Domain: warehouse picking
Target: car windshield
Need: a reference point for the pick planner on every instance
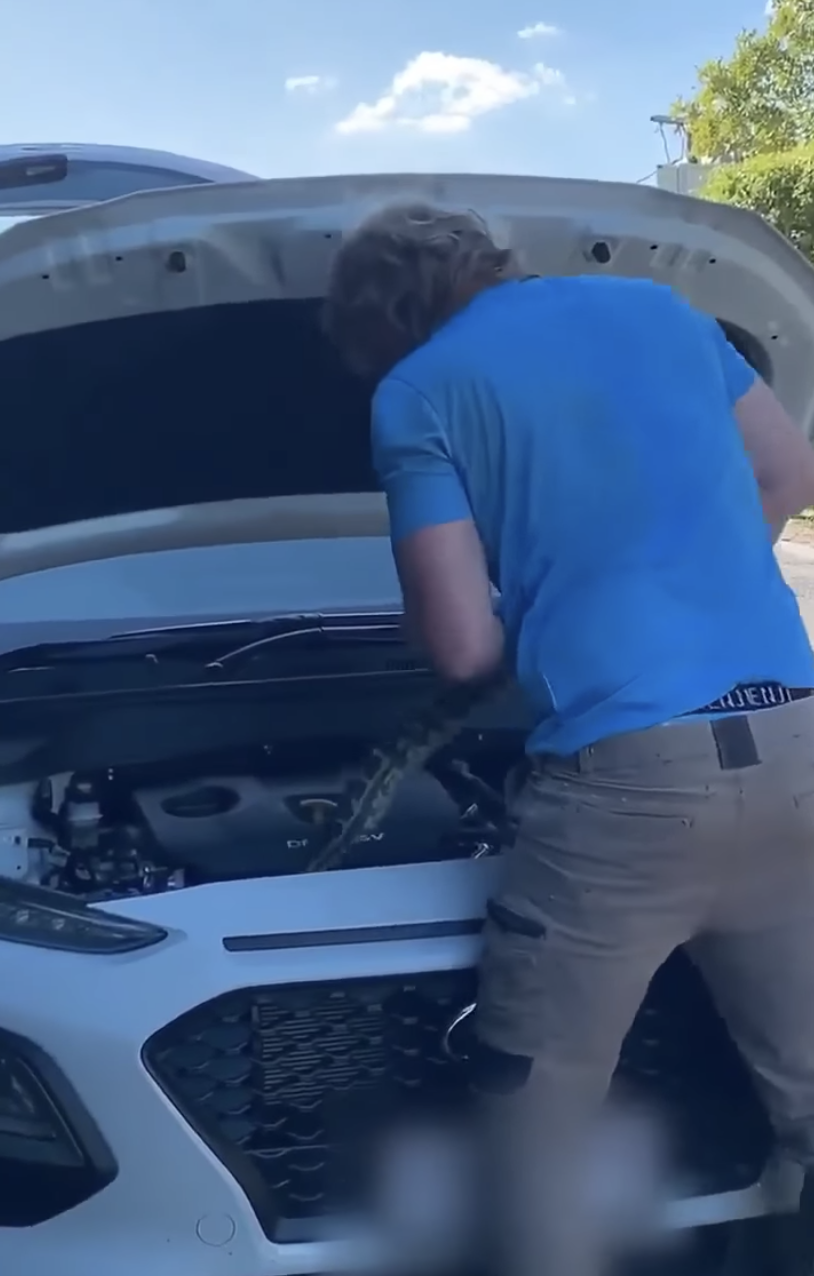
(87, 601)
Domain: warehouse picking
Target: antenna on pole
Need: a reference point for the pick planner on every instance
(678, 124)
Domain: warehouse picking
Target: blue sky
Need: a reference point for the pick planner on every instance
(289, 87)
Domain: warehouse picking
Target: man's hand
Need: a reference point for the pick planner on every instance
(448, 600)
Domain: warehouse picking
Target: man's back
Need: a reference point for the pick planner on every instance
(590, 422)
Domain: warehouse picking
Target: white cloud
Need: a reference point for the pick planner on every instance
(549, 76)
(309, 84)
(537, 30)
(443, 93)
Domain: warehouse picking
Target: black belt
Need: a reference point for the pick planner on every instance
(730, 724)
(748, 697)
(733, 735)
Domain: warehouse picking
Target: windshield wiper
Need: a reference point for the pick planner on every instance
(353, 634)
(216, 645)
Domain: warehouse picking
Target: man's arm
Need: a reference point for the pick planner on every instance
(439, 555)
(781, 456)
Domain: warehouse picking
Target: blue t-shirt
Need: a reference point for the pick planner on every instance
(587, 426)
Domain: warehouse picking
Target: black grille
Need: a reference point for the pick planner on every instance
(287, 1083)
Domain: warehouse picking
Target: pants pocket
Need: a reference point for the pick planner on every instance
(512, 982)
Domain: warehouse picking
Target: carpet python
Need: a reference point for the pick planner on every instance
(369, 793)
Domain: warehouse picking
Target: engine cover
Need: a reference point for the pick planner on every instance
(245, 826)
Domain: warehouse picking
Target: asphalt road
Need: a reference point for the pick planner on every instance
(797, 560)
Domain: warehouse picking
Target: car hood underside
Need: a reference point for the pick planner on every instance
(167, 384)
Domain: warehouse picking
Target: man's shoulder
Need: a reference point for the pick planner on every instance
(404, 406)
(420, 370)
(457, 354)
(652, 314)
(422, 379)
(403, 385)
(618, 290)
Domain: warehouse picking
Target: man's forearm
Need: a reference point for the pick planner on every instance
(781, 455)
(473, 657)
(459, 655)
(448, 600)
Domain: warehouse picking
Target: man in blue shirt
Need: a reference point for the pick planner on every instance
(596, 450)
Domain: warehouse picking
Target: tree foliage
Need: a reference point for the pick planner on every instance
(779, 187)
(761, 99)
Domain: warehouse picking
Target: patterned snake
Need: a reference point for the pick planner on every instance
(367, 796)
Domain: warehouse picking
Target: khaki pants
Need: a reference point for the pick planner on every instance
(693, 833)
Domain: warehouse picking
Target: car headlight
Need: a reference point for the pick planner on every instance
(49, 919)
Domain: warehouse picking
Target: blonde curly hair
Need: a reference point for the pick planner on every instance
(401, 274)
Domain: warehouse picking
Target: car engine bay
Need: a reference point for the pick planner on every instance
(120, 831)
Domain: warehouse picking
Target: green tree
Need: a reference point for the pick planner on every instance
(761, 99)
(780, 187)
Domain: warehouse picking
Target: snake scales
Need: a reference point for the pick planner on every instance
(367, 796)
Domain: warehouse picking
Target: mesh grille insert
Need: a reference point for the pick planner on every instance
(287, 1083)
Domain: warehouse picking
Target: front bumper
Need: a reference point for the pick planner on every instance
(176, 1204)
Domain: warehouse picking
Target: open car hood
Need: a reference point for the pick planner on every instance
(193, 258)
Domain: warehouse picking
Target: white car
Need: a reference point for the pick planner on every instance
(202, 1045)
(39, 178)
